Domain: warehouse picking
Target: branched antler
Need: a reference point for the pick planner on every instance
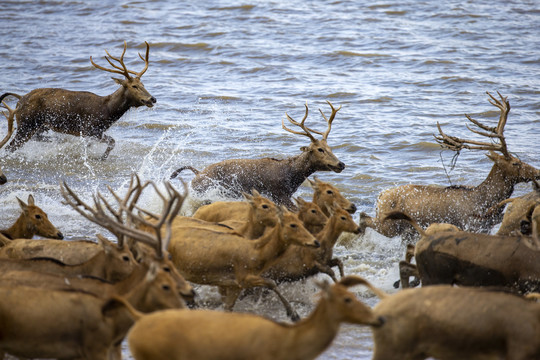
(308, 131)
(112, 219)
(10, 116)
(122, 70)
(497, 132)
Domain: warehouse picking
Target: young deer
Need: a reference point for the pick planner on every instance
(10, 114)
(32, 221)
(463, 206)
(81, 113)
(277, 179)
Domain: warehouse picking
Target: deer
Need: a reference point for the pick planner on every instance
(81, 113)
(276, 179)
(446, 255)
(111, 264)
(68, 324)
(300, 262)
(148, 245)
(32, 221)
(449, 322)
(251, 218)
(232, 262)
(464, 206)
(517, 217)
(206, 334)
(325, 194)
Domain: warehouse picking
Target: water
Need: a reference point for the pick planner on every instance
(225, 73)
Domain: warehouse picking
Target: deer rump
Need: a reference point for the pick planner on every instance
(469, 259)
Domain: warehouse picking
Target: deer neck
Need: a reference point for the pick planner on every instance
(270, 245)
(300, 168)
(117, 104)
(315, 333)
(328, 236)
(496, 187)
(19, 230)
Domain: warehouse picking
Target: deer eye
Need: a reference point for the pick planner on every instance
(347, 300)
(265, 206)
(38, 216)
(343, 218)
(329, 192)
(167, 269)
(125, 258)
(313, 211)
(166, 287)
(134, 86)
(293, 226)
(321, 150)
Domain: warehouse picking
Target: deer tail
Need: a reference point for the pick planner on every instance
(398, 215)
(178, 171)
(8, 94)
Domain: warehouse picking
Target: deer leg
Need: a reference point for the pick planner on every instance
(254, 280)
(326, 270)
(406, 270)
(106, 139)
(337, 262)
(23, 134)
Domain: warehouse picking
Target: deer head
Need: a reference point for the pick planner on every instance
(136, 93)
(321, 156)
(514, 169)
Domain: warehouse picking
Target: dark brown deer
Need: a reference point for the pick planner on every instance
(276, 179)
(463, 206)
(81, 113)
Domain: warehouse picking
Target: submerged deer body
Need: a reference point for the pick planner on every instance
(80, 113)
(463, 206)
(10, 116)
(277, 179)
(32, 221)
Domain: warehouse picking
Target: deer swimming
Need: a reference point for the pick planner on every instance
(81, 113)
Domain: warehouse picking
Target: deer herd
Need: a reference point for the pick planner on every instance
(78, 299)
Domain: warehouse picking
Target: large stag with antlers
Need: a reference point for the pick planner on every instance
(81, 113)
(463, 206)
(277, 179)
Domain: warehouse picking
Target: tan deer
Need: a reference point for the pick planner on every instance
(233, 263)
(81, 113)
(326, 195)
(148, 245)
(463, 206)
(208, 335)
(32, 221)
(277, 179)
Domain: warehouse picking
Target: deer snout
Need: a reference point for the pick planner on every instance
(151, 101)
(352, 209)
(316, 244)
(339, 167)
(59, 236)
(3, 179)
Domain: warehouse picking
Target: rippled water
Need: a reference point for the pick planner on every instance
(225, 73)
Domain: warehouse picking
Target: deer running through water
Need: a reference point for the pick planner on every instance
(463, 206)
(81, 113)
(276, 179)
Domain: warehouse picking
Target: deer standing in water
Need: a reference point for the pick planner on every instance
(276, 179)
(81, 113)
(463, 206)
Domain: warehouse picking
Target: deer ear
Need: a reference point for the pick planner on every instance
(121, 82)
(23, 205)
(31, 200)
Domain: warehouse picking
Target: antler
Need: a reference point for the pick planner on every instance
(300, 124)
(123, 69)
(328, 120)
(456, 144)
(105, 215)
(10, 115)
(307, 131)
